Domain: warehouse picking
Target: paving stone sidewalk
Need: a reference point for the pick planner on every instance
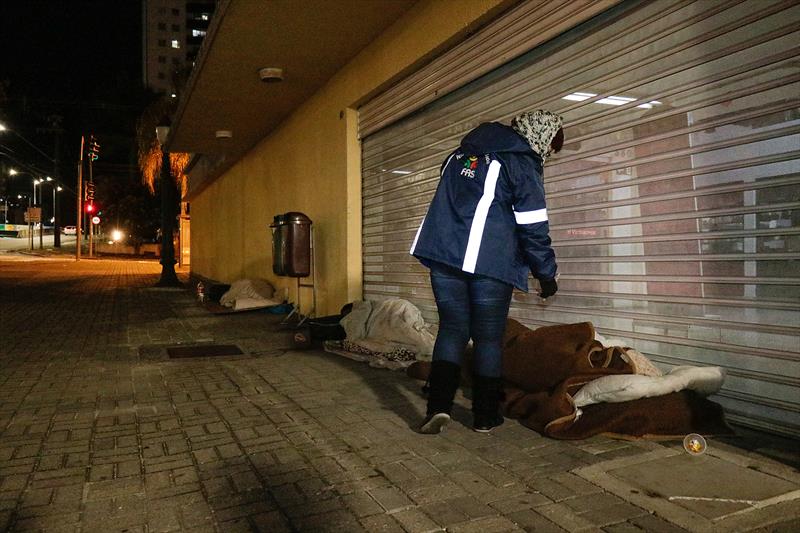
(101, 431)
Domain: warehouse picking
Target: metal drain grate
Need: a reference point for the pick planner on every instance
(204, 350)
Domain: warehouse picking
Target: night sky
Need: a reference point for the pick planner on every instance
(75, 59)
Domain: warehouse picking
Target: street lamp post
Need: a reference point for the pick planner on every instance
(35, 183)
(48, 180)
(40, 182)
(56, 188)
(31, 226)
(168, 276)
(56, 234)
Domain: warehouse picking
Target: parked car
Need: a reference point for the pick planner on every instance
(69, 230)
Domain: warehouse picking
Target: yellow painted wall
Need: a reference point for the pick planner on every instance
(312, 164)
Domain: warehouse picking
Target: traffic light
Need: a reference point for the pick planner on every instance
(94, 149)
(89, 207)
(89, 191)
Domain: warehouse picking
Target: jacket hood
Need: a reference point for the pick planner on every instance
(494, 137)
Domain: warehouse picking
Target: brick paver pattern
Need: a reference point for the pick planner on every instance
(100, 431)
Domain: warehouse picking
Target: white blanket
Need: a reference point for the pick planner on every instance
(626, 387)
(253, 293)
(388, 325)
(240, 304)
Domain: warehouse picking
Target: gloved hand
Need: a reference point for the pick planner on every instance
(548, 288)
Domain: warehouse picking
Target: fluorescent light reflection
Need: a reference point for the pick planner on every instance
(649, 105)
(616, 100)
(609, 100)
(579, 97)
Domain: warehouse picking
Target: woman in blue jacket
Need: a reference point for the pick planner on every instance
(485, 229)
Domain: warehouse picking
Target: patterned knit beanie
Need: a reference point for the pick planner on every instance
(538, 127)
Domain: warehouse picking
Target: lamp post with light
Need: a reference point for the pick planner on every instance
(56, 234)
(168, 276)
(40, 182)
(31, 202)
(56, 229)
(35, 183)
(56, 188)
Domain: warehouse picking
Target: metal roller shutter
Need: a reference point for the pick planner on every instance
(675, 205)
(515, 32)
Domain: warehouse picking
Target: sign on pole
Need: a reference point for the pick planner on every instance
(33, 214)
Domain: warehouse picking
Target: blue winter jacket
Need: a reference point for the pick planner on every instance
(488, 215)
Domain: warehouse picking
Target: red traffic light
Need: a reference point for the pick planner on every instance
(89, 207)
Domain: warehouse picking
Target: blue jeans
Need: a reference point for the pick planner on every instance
(470, 306)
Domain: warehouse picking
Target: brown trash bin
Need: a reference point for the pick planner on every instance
(291, 245)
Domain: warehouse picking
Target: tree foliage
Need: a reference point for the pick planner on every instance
(149, 149)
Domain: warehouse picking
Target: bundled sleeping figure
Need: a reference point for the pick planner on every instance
(567, 382)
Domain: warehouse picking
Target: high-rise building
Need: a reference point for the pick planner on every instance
(172, 33)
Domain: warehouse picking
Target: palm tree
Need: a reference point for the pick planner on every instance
(152, 160)
(149, 149)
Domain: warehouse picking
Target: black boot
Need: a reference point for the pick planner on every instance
(486, 395)
(442, 386)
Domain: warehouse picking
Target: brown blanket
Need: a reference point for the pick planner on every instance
(544, 368)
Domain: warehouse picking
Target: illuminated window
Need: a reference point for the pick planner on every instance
(175, 43)
(204, 16)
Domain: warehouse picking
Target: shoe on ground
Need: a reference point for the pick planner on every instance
(434, 423)
(484, 424)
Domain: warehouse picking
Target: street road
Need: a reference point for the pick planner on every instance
(11, 244)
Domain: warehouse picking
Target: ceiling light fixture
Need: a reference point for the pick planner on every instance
(270, 74)
(223, 134)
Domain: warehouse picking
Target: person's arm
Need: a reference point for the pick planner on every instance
(533, 228)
